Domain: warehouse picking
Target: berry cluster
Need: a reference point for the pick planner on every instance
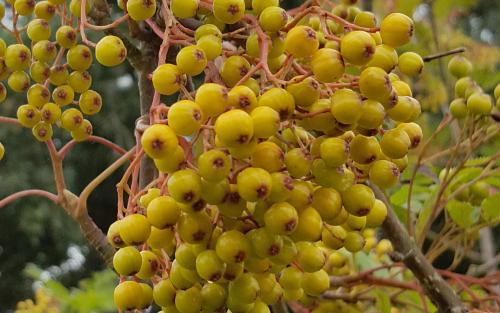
(52, 70)
(265, 167)
(470, 99)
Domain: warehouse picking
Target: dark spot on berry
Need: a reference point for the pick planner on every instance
(262, 191)
(71, 35)
(23, 56)
(274, 250)
(199, 235)
(233, 9)
(86, 54)
(188, 196)
(197, 115)
(198, 205)
(157, 144)
(369, 51)
(153, 264)
(310, 33)
(243, 139)
(147, 3)
(239, 257)
(232, 197)
(199, 55)
(117, 240)
(47, 114)
(243, 71)
(290, 225)
(122, 54)
(371, 159)
(362, 212)
(77, 120)
(395, 171)
(283, 114)
(218, 163)
(42, 132)
(88, 130)
(30, 114)
(244, 102)
(314, 84)
(61, 94)
(215, 277)
(288, 183)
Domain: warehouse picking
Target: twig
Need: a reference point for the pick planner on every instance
(433, 57)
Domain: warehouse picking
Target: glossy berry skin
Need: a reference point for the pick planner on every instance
(17, 57)
(211, 45)
(126, 295)
(234, 69)
(364, 150)
(234, 128)
(167, 79)
(232, 247)
(163, 212)
(280, 100)
(334, 151)
(358, 200)
(479, 104)
(327, 65)
(229, 11)
(140, 10)
(357, 47)
(135, 229)
(185, 186)
(346, 106)
(385, 57)
(328, 202)
(212, 99)
(384, 174)
(209, 266)
(185, 117)
(254, 184)
(272, 19)
(127, 261)
(214, 165)
(395, 143)
(411, 64)
(242, 97)
(301, 41)
(110, 51)
(305, 92)
(377, 214)
(164, 293)
(281, 218)
(194, 227)
(396, 29)
(184, 8)
(90, 102)
(158, 140)
(191, 60)
(374, 83)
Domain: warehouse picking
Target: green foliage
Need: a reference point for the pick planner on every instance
(94, 294)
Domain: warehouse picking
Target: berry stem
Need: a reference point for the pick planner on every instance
(96, 139)
(57, 169)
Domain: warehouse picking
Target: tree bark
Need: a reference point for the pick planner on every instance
(406, 251)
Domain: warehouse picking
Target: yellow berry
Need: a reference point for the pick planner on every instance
(396, 29)
(301, 41)
(166, 79)
(110, 51)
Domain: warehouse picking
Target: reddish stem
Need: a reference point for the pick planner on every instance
(27, 193)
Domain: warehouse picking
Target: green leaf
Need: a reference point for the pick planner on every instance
(58, 291)
(383, 301)
(462, 213)
(32, 271)
(490, 208)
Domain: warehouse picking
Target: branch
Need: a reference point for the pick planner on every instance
(406, 251)
(26, 193)
(84, 195)
(96, 139)
(433, 57)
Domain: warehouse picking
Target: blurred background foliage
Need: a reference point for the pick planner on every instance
(42, 247)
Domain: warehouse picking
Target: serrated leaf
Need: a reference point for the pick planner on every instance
(490, 208)
(462, 213)
(476, 161)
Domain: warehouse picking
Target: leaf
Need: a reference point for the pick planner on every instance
(32, 271)
(462, 213)
(413, 297)
(490, 208)
(383, 301)
(58, 291)
(467, 175)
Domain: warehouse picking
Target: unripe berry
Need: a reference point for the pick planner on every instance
(17, 57)
(42, 131)
(459, 66)
(185, 117)
(384, 174)
(384, 57)
(140, 10)
(126, 295)
(163, 212)
(458, 108)
(127, 261)
(377, 214)
(254, 184)
(358, 200)
(357, 47)
(28, 115)
(110, 51)
(305, 93)
(229, 11)
(158, 140)
(79, 58)
(19, 81)
(346, 106)
(479, 104)
(374, 83)
(135, 229)
(191, 60)
(184, 8)
(44, 10)
(301, 41)
(396, 29)
(411, 64)
(395, 143)
(260, 5)
(211, 45)
(234, 128)
(234, 69)
(272, 19)
(327, 65)
(66, 36)
(38, 29)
